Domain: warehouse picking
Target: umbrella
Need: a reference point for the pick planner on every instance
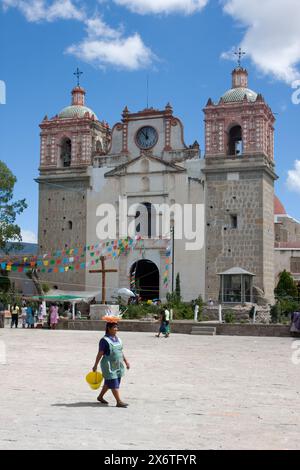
(124, 292)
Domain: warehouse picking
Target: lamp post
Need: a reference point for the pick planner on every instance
(173, 254)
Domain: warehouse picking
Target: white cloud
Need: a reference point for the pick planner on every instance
(42, 10)
(272, 36)
(125, 53)
(143, 7)
(104, 46)
(96, 28)
(293, 180)
(28, 236)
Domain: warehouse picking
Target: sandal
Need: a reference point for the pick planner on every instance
(101, 400)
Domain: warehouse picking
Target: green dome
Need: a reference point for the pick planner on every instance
(238, 94)
(75, 112)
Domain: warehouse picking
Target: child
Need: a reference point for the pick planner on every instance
(112, 358)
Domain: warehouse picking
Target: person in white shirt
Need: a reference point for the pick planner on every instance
(167, 321)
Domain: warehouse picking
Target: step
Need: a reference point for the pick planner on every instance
(204, 331)
(204, 328)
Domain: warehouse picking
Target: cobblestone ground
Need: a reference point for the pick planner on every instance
(185, 392)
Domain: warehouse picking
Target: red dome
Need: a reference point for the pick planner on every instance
(278, 207)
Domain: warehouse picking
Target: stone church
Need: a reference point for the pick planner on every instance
(85, 164)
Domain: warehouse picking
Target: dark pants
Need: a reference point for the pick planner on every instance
(14, 320)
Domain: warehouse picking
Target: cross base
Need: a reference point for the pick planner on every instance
(98, 311)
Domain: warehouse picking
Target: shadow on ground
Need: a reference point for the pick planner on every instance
(79, 405)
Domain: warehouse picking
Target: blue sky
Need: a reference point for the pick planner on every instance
(183, 45)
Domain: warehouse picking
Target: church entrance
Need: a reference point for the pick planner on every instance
(144, 277)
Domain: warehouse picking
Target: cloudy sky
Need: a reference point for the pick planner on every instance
(184, 46)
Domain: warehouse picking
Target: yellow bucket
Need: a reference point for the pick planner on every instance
(94, 379)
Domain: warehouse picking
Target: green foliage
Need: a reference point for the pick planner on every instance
(230, 317)
(174, 298)
(10, 298)
(140, 311)
(200, 303)
(45, 288)
(280, 312)
(183, 311)
(9, 231)
(178, 288)
(4, 282)
(286, 286)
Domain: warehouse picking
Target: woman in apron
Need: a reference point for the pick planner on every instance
(112, 363)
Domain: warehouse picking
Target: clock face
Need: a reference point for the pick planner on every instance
(146, 137)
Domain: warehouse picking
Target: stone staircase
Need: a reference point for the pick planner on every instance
(204, 330)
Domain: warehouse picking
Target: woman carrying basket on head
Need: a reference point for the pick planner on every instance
(112, 362)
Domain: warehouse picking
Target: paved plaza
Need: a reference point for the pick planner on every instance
(185, 392)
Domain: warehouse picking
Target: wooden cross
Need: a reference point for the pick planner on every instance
(103, 271)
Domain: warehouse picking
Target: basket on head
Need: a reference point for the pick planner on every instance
(94, 379)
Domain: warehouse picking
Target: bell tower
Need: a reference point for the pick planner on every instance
(240, 175)
(71, 141)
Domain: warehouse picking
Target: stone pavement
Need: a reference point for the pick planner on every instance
(185, 392)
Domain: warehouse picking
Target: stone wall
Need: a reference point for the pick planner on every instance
(181, 327)
(241, 187)
(240, 313)
(62, 201)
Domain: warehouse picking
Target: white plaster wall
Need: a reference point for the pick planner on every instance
(104, 190)
(177, 137)
(282, 260)
(175, 187)
(117, 140)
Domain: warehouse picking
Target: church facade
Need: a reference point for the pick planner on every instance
(144, 160)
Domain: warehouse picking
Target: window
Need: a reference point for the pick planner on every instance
(66, 153)
(70, 225)
(235, 142)
(145, 220)
(295, 265)
(233, 221)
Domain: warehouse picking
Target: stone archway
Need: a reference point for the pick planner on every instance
(145, 275)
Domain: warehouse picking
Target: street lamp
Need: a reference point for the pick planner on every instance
(173, 252)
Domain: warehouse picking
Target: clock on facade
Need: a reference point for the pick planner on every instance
(146, 137)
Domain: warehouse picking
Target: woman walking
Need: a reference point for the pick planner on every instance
(29, 317)
(163, 329)
(53, 316)
(112, 363)
(24, 315)
(15, 316)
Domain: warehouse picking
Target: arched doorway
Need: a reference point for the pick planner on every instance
(145, 277)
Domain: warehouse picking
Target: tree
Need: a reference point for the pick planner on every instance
(178, 288)
(286, 286)
(9, 209)
(4, 282)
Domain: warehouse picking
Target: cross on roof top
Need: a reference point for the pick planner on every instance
(78, 73)
(239, 53)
